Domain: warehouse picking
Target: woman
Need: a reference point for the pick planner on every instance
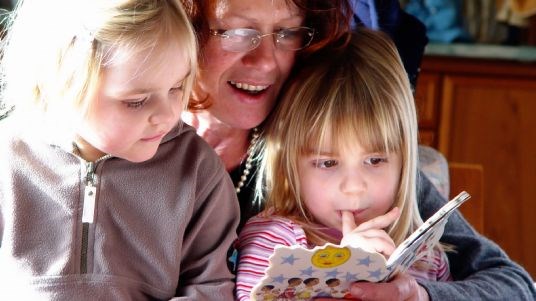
(248, 50)
(238, 88)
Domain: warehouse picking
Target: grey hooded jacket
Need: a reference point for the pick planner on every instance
(159, 229)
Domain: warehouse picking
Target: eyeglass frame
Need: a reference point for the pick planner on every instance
(222, 33)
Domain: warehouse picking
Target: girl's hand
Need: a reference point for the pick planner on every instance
(401, 288)
(370, 234)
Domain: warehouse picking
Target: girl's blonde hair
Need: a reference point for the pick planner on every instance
(359, 93)
(55, 50)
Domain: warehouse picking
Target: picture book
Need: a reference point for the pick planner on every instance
(298, 273)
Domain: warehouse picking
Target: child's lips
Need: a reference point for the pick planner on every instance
(153, 138)
(355, 212)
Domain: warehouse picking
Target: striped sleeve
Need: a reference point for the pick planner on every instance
(436, 269)
(256, 243)
(443, 269)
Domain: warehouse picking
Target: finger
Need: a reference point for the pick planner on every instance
(377, 235)
(380, 222)
(371, 240)
(403, 286)
(372, 234)
(348, 222)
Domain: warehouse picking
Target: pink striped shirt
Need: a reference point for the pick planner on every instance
(261, 234)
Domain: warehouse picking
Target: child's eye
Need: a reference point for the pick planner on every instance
(135, 104)
(375, 161)
(325, 163)
(176, 89)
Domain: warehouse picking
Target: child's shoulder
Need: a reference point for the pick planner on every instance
(266, 217)
(17, 125)
(183, 144)
(276, 227)
(10, 132)
(183, 133)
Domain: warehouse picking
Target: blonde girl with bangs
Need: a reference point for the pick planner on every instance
(339, 161)
(104, 192)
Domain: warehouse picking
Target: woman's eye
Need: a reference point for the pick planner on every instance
(135, 104)
(325, 163)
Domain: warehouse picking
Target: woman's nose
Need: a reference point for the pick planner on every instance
(264, 56)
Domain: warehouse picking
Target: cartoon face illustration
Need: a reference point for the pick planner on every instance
(330, 257)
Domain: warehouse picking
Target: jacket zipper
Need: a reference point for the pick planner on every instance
(88, 209)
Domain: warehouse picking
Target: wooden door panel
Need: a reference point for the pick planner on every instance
(492, 122)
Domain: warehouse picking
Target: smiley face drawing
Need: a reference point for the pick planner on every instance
(330, 256)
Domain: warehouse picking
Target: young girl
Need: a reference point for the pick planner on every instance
(339, 161)
(104, 193)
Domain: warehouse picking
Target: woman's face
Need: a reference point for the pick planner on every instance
(243, 86)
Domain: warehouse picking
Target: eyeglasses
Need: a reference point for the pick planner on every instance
(246, 39)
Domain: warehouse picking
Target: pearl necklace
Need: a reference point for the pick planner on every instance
(249, 159)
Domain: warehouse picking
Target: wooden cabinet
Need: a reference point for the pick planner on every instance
(427, 101)
(483, 111)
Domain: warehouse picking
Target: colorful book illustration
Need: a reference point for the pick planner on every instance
(297, 273)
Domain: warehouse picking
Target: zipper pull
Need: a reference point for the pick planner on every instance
(90, 192)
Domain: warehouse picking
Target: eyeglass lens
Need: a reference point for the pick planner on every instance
(246, 39)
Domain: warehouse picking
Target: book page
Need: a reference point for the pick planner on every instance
(424, 237)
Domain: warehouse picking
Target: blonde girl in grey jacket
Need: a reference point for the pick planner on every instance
(104, 193)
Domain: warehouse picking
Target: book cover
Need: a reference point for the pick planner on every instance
(298, 273)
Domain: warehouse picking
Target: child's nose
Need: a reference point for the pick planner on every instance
(352, 182)
(165, 112)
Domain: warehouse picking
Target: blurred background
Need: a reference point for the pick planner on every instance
(505, 22)
(476, 99)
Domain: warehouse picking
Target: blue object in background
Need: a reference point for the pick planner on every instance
(377, 14)
(365, 13)
(408, 33)
(442, 18)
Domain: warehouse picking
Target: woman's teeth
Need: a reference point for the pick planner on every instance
(247, 87)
